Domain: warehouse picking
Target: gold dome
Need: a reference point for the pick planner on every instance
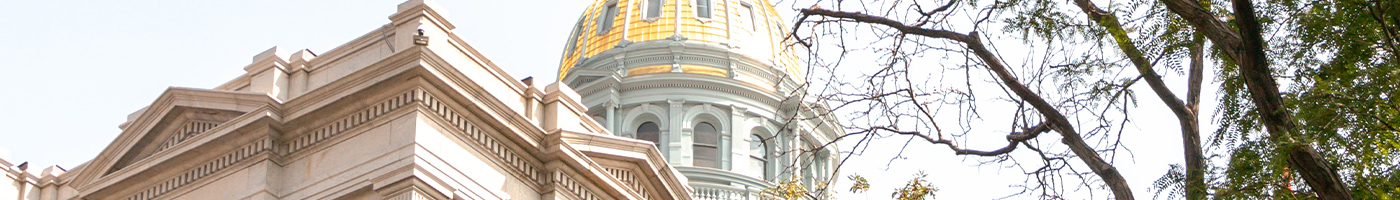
(729, 23)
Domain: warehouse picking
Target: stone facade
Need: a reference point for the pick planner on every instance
(407, 111)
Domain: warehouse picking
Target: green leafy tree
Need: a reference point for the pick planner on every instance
(1341, 56)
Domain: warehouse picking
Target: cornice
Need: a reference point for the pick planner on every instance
(474, 55)
(209, 169)
(718, 84)
(241, 80)
(469, 91)
(350, 48)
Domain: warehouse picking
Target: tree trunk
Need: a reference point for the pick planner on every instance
(1248, 52)
(1190, 128)
(1254, 68)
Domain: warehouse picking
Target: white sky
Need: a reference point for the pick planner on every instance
(71, 71)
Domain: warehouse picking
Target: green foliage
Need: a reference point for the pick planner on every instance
(860, 185)
(919, 188)
(1350, 112)
(790, 188)
(1173, 183)
(916, 189)
(1257, 170)
(1044, 19)
(1342, 58)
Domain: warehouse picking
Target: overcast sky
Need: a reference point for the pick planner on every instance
(71, 71)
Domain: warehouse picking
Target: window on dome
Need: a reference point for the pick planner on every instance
(706, 149)
(605, 21)
(758, 157)
(650, 132)
(574, 37)
(702, 8)
(653, 10)
(753, 20)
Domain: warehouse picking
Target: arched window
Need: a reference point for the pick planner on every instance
(706, 151)
(758, 157)
(650, 132)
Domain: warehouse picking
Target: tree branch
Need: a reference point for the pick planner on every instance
(1054, 119)
(1013, 140)
(1115, 28)
(1207, 24)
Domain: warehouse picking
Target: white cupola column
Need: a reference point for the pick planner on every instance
(611, 108)
(739, 140)
(679, 142)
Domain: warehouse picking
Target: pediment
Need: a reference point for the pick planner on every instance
(632, 176)
(175, 118)
(179, 125)
(636, 165)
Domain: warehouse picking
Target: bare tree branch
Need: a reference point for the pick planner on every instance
(1054, 118)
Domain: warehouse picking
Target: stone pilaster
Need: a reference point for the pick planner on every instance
(739, 140)
(678, 137)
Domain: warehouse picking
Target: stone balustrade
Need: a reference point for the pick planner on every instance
(724, 192)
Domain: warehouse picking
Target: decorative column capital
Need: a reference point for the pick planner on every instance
(675, 103)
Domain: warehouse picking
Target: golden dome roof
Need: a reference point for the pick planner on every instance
(749, 27)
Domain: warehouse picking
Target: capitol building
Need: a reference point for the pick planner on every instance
(656, 100)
